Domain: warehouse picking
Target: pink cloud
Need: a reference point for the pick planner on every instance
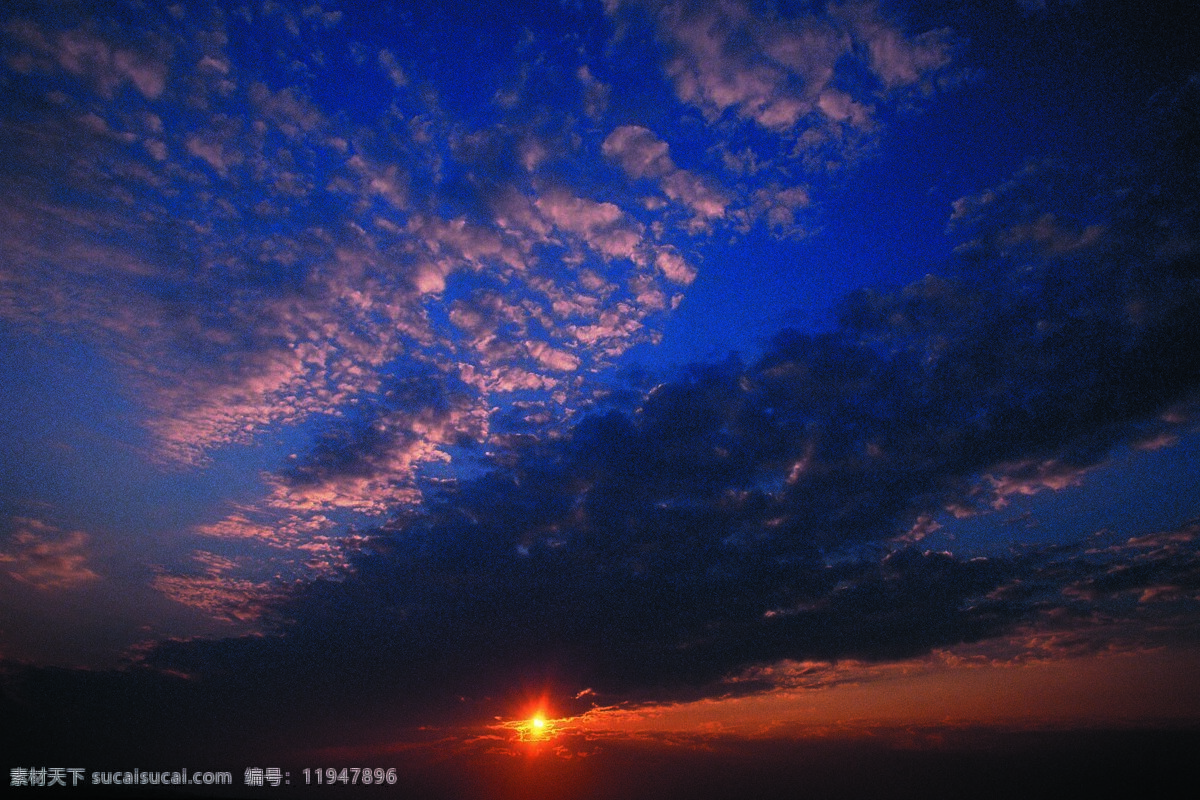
(596, 93)
(701, 196)
(775, 71)
(391, 67)
(552, 358)
(504, 379)
(47, 557)
(714, 73)
(578, 214)
(388, 182)
(1031, 477)
(643, 155)
(672, 265)
(601, 225)
(222, 597)
(840, 107)
(777, 205)
(1052, 237)
(639, 152)
(288, 110)
(897, 59)
(93, 59)
(215, 151)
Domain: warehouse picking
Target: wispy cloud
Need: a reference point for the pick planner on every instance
(46, 557)
(89, 57)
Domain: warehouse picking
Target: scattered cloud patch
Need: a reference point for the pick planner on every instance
(46, 557)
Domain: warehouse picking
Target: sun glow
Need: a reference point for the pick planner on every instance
(537, 728)
(534, 729)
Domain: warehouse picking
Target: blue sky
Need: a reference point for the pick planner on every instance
(717, 326)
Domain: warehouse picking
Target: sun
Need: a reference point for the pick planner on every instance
(534, 729)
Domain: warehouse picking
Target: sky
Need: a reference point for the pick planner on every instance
(378, 377)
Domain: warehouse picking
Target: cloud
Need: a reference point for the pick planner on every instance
(776, 70)
(85, 55)
(899, 60)
(639, 152)
(369, 464)
(704, 199)
(559, 360)
(789, 95)
(213, 151)
(735, 501)
(778, 206)
(643, 155)
(223, 598)
(602, 225)
(596, 93)
(387, 60)
(291, 113)
(323, 282)
(673, 266)
(1031, 477)
(46, 557)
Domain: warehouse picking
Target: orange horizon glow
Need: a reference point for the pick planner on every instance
(1114, 689)
(918, 701)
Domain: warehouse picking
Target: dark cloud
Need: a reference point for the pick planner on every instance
(382, 429)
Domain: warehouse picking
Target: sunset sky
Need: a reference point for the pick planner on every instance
(376, 377)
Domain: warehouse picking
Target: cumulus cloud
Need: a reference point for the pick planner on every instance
(897, 59)
(553, 358)
(368, 463)
(255, 264)
(596, 93)
(320, 303)
(223, 598)
(602, 225)
(790, 95)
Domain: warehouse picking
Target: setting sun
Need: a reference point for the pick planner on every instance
(535, 728)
